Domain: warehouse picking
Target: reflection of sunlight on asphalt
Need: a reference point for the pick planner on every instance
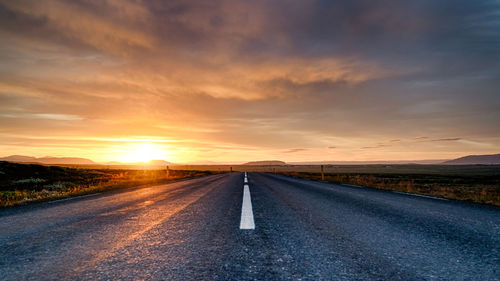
(143, 217)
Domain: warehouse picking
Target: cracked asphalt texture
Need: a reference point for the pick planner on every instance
(305, 230)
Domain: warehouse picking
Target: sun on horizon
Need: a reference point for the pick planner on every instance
(136, 80)
(140, 152)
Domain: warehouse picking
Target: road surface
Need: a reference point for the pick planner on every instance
(302, 230)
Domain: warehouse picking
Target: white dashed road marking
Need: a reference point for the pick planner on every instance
(247, 221)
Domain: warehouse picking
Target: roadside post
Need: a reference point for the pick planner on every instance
(322, 173)
(168, 172)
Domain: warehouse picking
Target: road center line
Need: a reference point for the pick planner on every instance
(247, 221)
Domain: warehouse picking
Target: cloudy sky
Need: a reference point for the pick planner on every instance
(224, 80)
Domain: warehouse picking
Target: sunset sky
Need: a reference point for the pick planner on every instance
(188, 81)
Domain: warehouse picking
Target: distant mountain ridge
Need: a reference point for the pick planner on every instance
(47, 160)
(475, 159)
(375, 162)
(149, 163)
(265, 163)
(159, 163)
(466, 160)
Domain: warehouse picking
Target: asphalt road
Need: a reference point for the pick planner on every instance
(304, 230)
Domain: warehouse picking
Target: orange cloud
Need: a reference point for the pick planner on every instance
(233, 80)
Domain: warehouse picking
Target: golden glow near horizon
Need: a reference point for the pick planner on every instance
(139, 152)
(234, 81)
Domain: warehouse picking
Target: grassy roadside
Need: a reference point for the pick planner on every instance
(28, 183)
(478, 188)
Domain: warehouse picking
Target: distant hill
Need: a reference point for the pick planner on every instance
(203, 162)
(159, 163)
(48, 160)
(265, 163)
(374, 162)
(113, 163)
(475, 159)
(149, 163)
(18, 158)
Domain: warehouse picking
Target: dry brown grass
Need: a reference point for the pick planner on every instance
(40, 183)
(475, 188)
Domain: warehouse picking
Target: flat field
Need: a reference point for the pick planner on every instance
(23, 183)
(475, 183)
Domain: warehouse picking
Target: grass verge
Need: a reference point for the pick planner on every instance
(28, 183)
(475, 188)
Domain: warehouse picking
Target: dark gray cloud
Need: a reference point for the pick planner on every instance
(375, 146)
(295, 150)
(447, 139)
